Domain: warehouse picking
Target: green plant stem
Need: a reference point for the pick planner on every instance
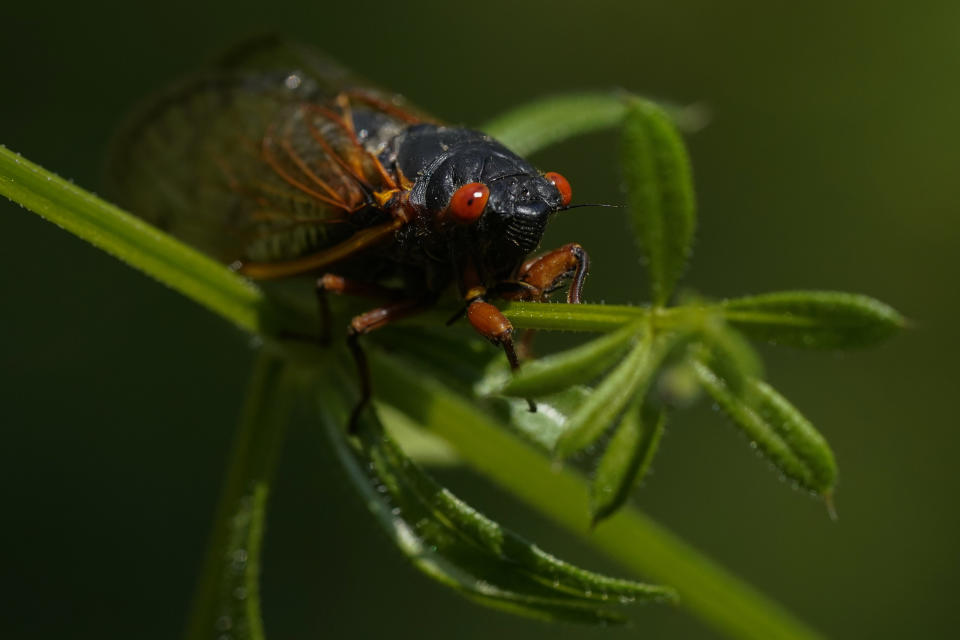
(630, 537)
(601, 317)
(227, 600)
(572, 317)
(133, 241)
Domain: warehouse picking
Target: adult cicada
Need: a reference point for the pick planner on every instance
(279, 163)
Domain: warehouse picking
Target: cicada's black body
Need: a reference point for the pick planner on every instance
(442, 160)
(280, 163)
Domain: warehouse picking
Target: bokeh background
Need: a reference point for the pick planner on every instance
(831, 161)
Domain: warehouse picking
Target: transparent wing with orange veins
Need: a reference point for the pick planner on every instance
(257, 159)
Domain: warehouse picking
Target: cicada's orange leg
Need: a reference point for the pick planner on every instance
(490, 323)
(398, 307)
(332, 283)
(365, 323)
(545, 274)
(538, 277)
(487, 320)
(525, 346)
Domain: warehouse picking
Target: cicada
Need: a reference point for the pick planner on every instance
(280, 163)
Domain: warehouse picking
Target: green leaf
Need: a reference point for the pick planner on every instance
(678, 386)
(134, 241)
(452, 542)
(631, 378)
(544, 122)
(228, 591)
(541, 123)
(626, 459)
(422, 447)
(545, 425)
(814, 319)
(554, 373)
(776, 429)
(660, 194)
(459, 357)
(554, 574)
(477, 370)
(726, 351)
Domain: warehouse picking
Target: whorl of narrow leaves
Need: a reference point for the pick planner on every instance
(814, 319)
(660, 194)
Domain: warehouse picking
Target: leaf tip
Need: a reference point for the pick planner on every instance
(598, 514)
(831, 505)
(666, 595)
(594, 520)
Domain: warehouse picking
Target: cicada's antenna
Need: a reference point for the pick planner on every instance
(591, 204)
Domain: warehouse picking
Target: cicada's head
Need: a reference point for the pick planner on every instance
(495, 204)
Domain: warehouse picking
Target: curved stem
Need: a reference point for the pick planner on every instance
(227, 600)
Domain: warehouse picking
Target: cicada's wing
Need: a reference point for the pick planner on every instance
(256, 158)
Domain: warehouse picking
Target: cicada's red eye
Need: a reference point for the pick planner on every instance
(468, 202)
(557, 180)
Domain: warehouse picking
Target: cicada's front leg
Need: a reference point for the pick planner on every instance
(490, 323)
(538, 277)
(486, 319)
(545, 274)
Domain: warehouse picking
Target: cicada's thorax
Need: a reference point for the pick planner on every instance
(434, 161)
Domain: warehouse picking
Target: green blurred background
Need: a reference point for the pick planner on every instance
(831, 162)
